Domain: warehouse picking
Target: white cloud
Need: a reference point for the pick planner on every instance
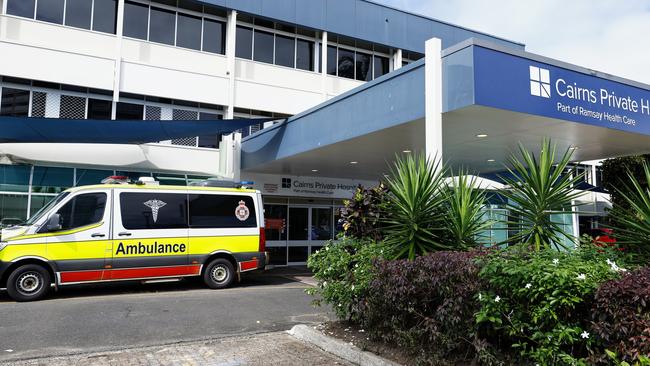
(608, 36)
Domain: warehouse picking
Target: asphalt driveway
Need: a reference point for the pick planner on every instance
(97, 318)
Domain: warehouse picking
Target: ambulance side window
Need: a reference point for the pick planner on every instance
(221, 211)
(141, 211)
(82, 210)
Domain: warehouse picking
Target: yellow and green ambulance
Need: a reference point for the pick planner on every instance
(142, 231)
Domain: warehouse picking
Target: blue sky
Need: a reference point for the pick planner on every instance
(608, 36)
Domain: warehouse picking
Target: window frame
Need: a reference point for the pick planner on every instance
(356, 50)
(73, 197)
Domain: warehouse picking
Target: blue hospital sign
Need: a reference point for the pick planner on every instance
(519, 84)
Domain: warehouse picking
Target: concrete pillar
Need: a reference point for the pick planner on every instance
(118, 52)
(323, 62)
(433, 98)
(231, 33)
(396, 60)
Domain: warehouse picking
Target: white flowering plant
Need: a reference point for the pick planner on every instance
(343, 270)
(538, 303)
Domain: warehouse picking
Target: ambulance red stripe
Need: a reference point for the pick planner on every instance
(128, 273)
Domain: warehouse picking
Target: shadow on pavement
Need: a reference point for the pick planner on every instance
(274, 277)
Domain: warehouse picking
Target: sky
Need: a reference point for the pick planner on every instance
(611, 36)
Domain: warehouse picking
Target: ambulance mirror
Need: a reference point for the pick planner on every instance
(54, 222)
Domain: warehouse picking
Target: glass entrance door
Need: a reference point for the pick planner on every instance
(295, 232)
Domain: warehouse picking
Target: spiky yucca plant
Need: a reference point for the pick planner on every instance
(632, 229)
(414, 222)
(539, 188)
(464, 212)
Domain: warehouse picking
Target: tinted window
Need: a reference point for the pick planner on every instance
(221, 211)
(99, 109)
(331, 60)
(305, 55)
(135, 20)
(285, 51)
(104, 16)
(162, 26)
(346, 63)
(21, 8)
(364, 66)
(50, 11)
(15, 102)
(153, 210)
(51, 180)
(244, 43)
(129, 111)
(214, 36)
(77, 13)
(263, 47)
(189, 32)
(82, 210)
(381, 66)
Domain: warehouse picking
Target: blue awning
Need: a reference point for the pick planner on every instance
(55, 130)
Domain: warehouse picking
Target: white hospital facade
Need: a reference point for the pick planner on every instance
(358, 82)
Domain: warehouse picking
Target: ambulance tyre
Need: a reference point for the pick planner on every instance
(219, 273)
(28, 283)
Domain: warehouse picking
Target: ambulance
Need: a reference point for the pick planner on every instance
(122, 231)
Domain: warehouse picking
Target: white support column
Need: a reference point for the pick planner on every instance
(323, 62)
(118, 52)
(231, 33)
(3, 5)
(396, 60)
(433, 99)
(236, 154)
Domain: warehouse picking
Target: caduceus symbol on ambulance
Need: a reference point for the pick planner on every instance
(155, 205)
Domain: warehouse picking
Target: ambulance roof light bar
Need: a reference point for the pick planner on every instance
(116, 179)
(216, 182)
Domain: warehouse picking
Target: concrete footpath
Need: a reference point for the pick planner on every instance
(277, 348)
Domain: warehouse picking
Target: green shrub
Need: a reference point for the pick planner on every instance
(538, 303)
(464, 211)
(362, 213)
(343, 271)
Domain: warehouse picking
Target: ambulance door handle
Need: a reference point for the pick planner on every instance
(97, 235)
(124, 233)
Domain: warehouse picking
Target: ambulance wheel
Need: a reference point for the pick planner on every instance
(28, 283)
(220, 273)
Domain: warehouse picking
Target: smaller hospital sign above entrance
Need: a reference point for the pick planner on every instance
(524, 85)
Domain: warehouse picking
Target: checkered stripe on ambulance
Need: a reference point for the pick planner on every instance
(131, 232)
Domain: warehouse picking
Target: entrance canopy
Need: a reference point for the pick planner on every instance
(54, 130)
(492, 99)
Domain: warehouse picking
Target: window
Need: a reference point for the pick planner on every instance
(14, 178)
(321, 224)
(381, 66)
(51, 180)
(15, 102)
(50, 11)
(298, 223)
(209, 141)
(78, 13)
(275, 222)
(244, 43)
(346, 63)
(189, 32)
(363, 66)
(129, 111)
(135, 20)
(104, 16)
(221, 211)
(21, 8)
(331, 60)
(285, 51)
(214, 36)
(263, 47)
(13, 207)
(99, 109)
(86, 177)
(162, 26)
(305, 55)
(153, 210)
(82, 210)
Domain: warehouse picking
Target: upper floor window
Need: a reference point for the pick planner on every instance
(98, 15)
(166, 25)
(276, 44)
